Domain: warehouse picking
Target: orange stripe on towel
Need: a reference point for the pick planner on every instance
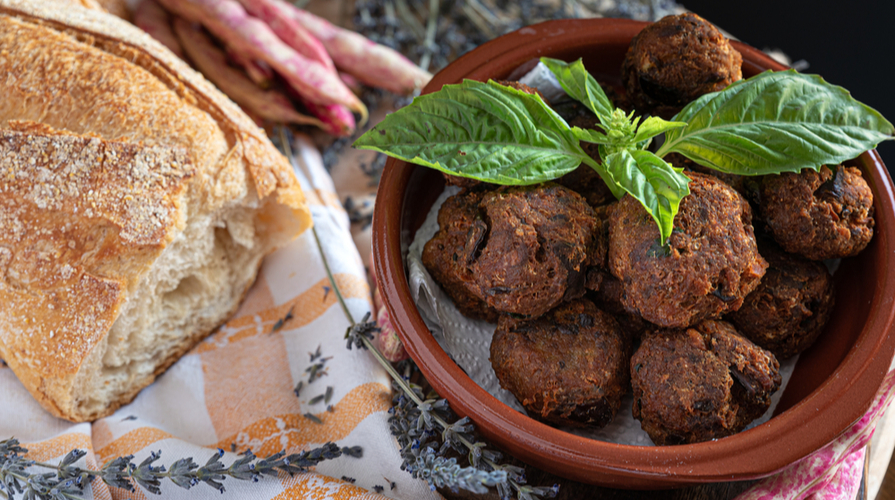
(43, 451)
(317, 486)
(295, 432)
(305, 308)
(130, 443)
(137, 494)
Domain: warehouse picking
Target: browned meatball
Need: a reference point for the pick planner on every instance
(747, 185)
(445, 256)
(701, 383)
(710, 264)
(821, 215)
(676, 60)
(587, 182)
(599, 255)
(605, 289)
(606, 292)
(790, 307)
(529, 251)
(568, 367)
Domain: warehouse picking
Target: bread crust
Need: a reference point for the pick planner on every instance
(156, 145)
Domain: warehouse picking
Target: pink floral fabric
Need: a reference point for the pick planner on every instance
(834, 471)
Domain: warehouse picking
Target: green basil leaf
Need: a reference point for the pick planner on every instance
(776, 122)
(658, 186)
(483, 131)
(580, 85)
(589, 135)
(654, 126)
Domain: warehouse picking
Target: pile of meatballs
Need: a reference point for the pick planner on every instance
(589, 304)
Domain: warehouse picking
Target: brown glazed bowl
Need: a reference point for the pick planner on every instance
(833, 383)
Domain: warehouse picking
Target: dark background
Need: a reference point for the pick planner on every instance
(850, 43)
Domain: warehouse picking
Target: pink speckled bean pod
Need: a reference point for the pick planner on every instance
(275, 14)
(818, 474)
(230, 22)
(374, 284)
(150, 17)
(387, 341)
(352, 82)
(337, 119)
(212, 62)
(369, 62)
(258, 72)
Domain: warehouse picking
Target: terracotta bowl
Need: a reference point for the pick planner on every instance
(833, 383)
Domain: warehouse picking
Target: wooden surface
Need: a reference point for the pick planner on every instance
(887, 490)
(882, 468)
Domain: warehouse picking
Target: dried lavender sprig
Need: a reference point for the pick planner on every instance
(463, 479)
(412, 425)
(363, 330)
(14, 477)
(512, 475)
(504, 477)
(68, 481)
(443, 472)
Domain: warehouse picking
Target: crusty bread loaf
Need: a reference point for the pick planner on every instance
(136, 204)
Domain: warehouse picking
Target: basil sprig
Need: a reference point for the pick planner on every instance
(580, 85)
(776, 122)
(770, 123)
(483, 131)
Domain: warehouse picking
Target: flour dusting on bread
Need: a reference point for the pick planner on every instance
(136, 205)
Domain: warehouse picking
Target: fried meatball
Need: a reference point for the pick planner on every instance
(445, 256)
(676, 60)
(747, 185)
(701, 383)
(790, 307)
(710, 264)
(821, 215)
(529, 250)
(569, 367)
(584, 180)
(587, 182)
(605, 290)
(598, 254)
